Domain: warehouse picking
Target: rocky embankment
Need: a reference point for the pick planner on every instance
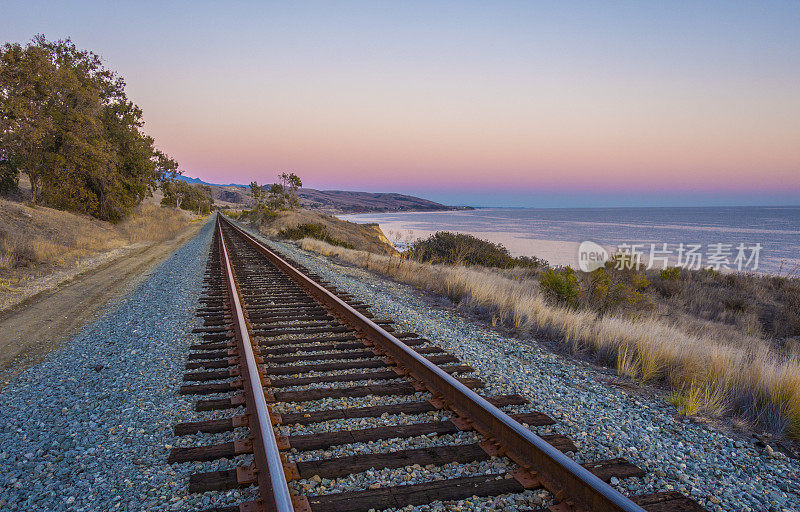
(365, 237)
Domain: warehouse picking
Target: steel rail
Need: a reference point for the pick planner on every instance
(571, 484)
(273, 489)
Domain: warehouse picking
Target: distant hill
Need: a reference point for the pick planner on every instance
(330, 201)
(189, 179)
(342, 201)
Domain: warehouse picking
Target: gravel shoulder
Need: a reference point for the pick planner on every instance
(89, 427)
(55, 308)
(720, 472)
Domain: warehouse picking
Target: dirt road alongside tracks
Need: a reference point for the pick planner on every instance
(39, 325)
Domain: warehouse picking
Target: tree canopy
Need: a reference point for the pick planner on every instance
(463, 249)
(194, 198)
(66, 123)
(281, 195)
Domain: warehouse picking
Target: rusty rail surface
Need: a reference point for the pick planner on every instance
(569, 482)
(275, 333)
(269, 466)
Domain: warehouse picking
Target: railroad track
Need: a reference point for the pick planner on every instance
(292, 364)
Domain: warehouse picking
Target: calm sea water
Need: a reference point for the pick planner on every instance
(554, 234)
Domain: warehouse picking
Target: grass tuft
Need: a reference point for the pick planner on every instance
(696, 398)
(627, 363)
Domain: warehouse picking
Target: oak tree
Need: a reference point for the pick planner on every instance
(67, 124)
(194, 198)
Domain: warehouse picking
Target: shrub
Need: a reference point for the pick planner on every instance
(530, 261)
(257, 215)
(601, 293)
(9, 177)
(638, 283)
(462, 249)
(671, 273)
(607, 289)
(735, 300)
(696, 398)
(562, 285)
(317, 231)
(670, 283)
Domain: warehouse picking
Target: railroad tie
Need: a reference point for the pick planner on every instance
(276, 337)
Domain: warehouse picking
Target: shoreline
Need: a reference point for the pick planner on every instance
(556, 234)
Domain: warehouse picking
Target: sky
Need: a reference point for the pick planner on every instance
(481, 103)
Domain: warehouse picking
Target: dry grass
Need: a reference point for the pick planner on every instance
(152, 223)
(40, 237)
(708, 371)
(367, 237)
(695, 399)
(751, 305)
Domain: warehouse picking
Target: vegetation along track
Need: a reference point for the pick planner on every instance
(295, 362)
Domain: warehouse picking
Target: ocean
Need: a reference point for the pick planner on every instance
(755, 239)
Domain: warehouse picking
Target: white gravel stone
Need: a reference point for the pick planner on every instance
(348, 402)
(362, 423)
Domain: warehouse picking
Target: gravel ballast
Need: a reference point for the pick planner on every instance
(90, 427)
(719, 471)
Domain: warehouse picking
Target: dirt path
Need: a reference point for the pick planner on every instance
(39, 325)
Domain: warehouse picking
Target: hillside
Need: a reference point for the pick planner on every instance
(365, 237)
(343, 201)
(330, 201)
(40, 246)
